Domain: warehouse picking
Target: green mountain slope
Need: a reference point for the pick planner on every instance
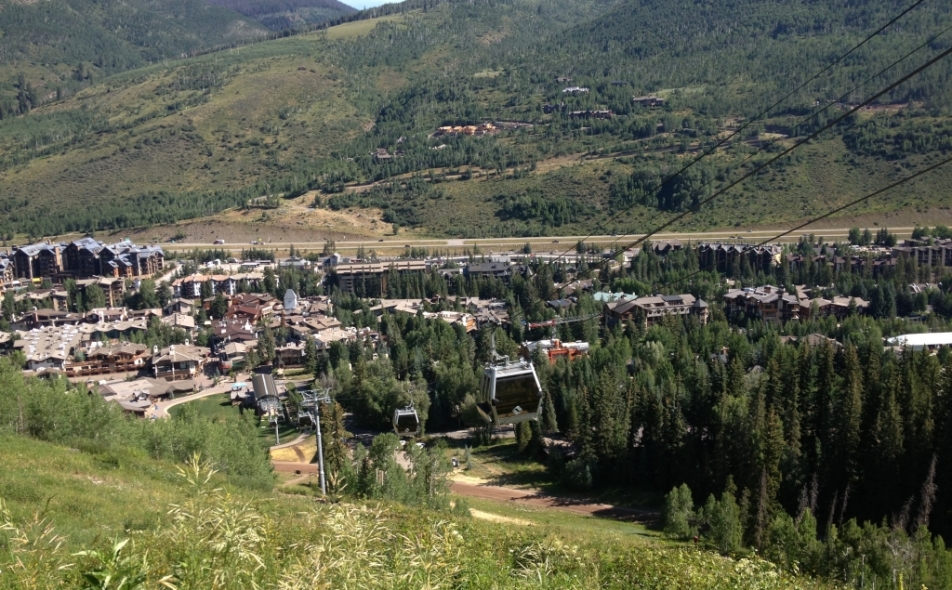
(59, 45)
(309, 112)
(286, 14)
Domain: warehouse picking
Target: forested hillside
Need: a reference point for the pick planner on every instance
(50, 49)
(287, 14)
(315, 112)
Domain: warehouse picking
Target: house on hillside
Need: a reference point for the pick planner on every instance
(648, 101)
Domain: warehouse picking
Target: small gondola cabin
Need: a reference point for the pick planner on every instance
(510, 393)
(406, 422)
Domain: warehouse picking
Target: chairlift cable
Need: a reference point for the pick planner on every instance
(782, 154)
(790, 149)
(787, 151)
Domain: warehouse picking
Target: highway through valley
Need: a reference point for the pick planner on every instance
(538, 244)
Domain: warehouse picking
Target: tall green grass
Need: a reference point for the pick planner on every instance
(211, 537)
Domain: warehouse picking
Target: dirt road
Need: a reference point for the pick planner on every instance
(540, 500)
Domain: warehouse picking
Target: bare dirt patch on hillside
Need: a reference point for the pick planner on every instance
(293, 221)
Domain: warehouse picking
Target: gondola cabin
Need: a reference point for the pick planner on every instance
(510, 393)
(406, 422)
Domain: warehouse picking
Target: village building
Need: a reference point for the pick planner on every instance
(370, 278)
(648, 101)
(232, 354)
(652, 310)
(937, 253)
(181, 322)
(55, 298)
(48, 347)
(497, 270)
(135, 397)
(592, 114)
(114, 289)
(35, 261)
(179, 305)
(99, 359)
(555, 349)
(7, 271)
(731, 257)
(290, 355)
(85, 258)
(924, 341)
(775, 305)
(324, 339)
(178, 362)
(481, 129)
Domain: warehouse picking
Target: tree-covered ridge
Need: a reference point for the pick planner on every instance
(740, 56)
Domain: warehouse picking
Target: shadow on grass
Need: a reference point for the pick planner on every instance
(514, 468)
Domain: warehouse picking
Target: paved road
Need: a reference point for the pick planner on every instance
(161, 409)
(563, 242)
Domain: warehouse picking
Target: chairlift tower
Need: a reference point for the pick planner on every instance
(312, 399)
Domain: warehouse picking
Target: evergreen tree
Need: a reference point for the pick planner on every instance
(95, 298)
(266, 345)
(678, 513)
(724, 519)
(337, 464)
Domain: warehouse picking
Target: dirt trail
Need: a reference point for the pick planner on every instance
(533, 498)
(538, 499)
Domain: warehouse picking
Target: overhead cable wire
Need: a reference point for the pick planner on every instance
(829, 213)
(828, 125)
(764, 112)
(784, 153)
(806, 118)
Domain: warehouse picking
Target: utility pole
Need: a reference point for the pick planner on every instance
(312, 399)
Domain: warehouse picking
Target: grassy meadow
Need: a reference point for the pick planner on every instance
(70, 518)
